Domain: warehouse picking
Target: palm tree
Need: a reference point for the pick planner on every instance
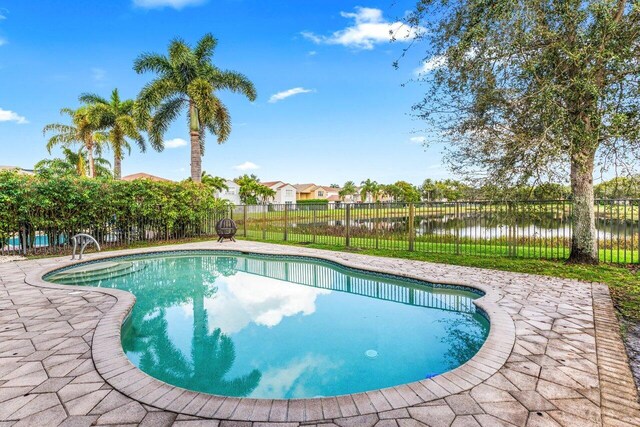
(117, 117)
(348, 189)
(369, 187)
(84, 130)
(188, 79)
(73, 163)
(215, 183)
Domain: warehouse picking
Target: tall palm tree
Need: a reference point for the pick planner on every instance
(83, 130)
(187, 78)
(116, 116)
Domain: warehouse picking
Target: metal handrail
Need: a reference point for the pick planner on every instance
(83, 239)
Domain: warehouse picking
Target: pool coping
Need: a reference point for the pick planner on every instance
(116, 369)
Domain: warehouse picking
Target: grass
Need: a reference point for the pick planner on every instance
(526, 248)
(624, 282)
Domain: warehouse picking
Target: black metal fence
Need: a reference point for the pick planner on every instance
(531, 229)
(45, 234)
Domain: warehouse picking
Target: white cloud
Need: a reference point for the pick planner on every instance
(3, 41)
(10, 116)
(98, 74)
(246, 298)
(287, 93)
(289, 379)
(175, 143)
(312, 53)
(246, 166)
(418, 139)
(369, 28)
(430, 64)
(158, 4)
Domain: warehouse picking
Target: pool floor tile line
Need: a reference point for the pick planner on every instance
(564, 366)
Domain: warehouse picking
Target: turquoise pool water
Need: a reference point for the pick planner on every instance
(283, 327)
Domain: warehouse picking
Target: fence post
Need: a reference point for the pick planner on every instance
(411, 227)
(244, 220)
(457, 228)
(377, 224)
(315, 222)
(347, 226)
(286, 221)
(511, 233)
(264, 222)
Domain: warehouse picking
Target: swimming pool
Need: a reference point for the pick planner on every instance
(262, 326)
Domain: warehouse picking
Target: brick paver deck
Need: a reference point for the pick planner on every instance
(554, 358)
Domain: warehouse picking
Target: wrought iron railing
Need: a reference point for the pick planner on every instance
(528, 229)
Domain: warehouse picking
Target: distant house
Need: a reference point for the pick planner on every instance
(285, 193)
(313, 191)
(232, 193)
(143, 175)
(17, 169)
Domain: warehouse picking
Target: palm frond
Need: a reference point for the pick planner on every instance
(154, 92)
(235, 82)
(220, 126)
(92, 98)
(129, 129)
(152, 62)
(200, 92)
(205, 48)
(166, 113)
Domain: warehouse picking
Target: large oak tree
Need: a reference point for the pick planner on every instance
(530, 90)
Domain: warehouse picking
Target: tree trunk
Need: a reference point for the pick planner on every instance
(584, 249)
(117, 142)
(117, 166)
(92, 164)
(196, 157)
(196, 152)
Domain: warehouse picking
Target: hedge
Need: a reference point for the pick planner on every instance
(133, 210)
(312, 202)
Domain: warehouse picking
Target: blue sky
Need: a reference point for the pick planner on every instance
(330, 105)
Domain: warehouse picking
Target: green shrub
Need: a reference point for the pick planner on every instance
(120, 210)
(312, 202)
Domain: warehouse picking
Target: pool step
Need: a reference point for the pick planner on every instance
(97, 272)
(95, 268)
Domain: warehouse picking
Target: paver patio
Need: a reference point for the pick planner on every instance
(565, 364)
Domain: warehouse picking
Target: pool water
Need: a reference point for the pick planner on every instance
(283, 327)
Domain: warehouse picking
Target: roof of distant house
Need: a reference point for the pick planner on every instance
(17, 169)
(143, 175)
(334, 198)
(301, 187)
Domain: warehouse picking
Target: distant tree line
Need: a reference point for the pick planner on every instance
(455, 190)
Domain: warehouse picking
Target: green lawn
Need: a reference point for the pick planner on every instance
(624, 282)
(531, 248)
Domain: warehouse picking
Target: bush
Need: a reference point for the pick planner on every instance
(312, 202)
(113, 211)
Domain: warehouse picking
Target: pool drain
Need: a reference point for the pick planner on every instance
(371, 354)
